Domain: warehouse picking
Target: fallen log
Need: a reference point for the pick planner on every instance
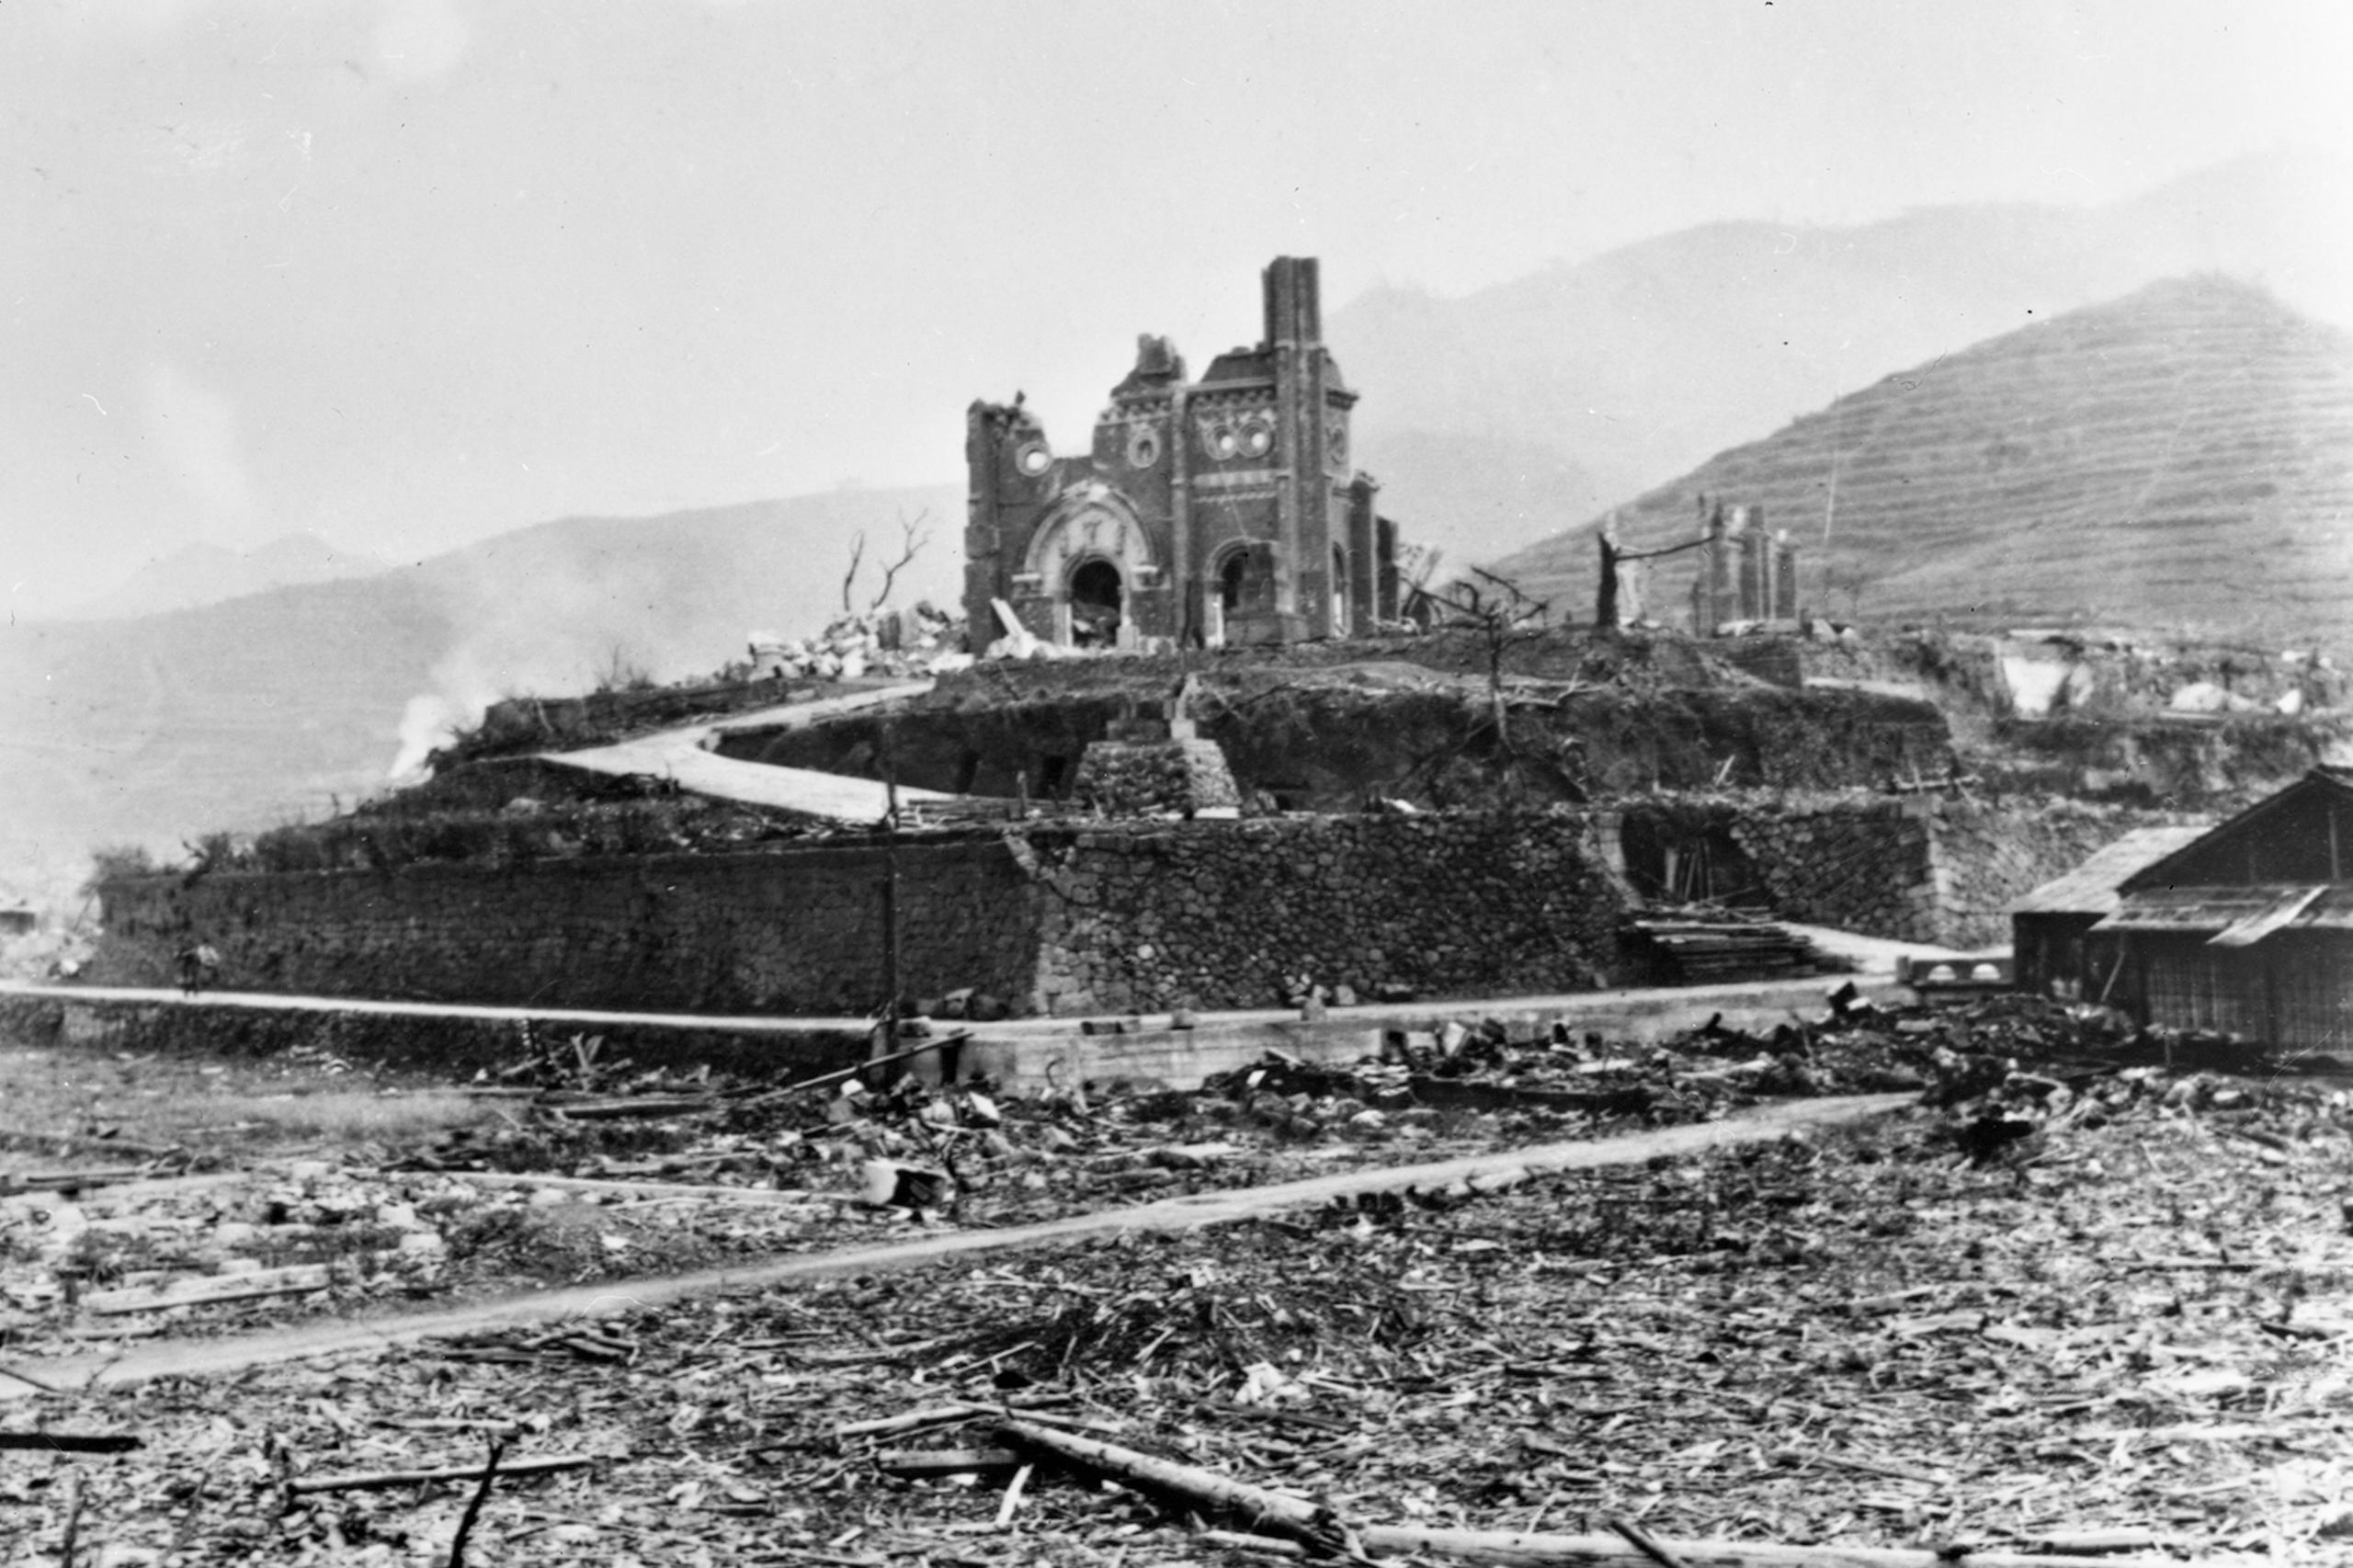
(842, 1075)
(207, 1288)
(1269, 1512)
(385, 1480)
(600, 1188)
(69, 1442)
(66, 1181)
(929, 1464)
(631, 1106)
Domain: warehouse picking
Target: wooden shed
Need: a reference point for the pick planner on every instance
(2247, 930)
(2051, 927)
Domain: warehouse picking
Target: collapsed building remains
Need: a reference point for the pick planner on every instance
(1218, 511)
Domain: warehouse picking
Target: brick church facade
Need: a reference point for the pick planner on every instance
(1205, 513)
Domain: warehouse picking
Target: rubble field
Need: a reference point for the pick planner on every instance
(2076, 1300)
(579, 1168)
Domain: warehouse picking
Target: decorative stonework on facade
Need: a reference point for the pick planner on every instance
(1205, 513)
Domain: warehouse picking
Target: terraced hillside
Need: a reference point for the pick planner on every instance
(2178, 460)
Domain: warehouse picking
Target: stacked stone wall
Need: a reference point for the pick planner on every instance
(789, 931)
(1134, 916)
(1860, 866)
(1988, 854)
(1940, 869)
(1176, 778)
(1231, 915)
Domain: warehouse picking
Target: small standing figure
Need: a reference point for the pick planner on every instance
(200, 967)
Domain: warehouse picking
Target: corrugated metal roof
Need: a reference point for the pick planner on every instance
(2090, 888)
(2187, 911)
(2281, 914)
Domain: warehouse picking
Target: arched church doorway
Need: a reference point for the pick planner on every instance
(1095, 604)
(1243, 587)
(1230, 581)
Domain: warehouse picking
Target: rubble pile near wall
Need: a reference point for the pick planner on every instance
(1157, 779)
(920, 639)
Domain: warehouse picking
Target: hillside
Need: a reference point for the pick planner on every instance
(1587, 383)
(2179, 459)
(254, 712)
(207, 574)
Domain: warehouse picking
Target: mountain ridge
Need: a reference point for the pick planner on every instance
(1643, 360)
(2178, 458)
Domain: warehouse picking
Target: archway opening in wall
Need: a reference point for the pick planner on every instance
(1231, 580)
(1339, 592)
(1095, 604)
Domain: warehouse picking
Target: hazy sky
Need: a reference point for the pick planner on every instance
(407, 272)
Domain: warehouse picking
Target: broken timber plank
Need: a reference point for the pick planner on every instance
(206, 1289)
(67, 1181)
(69, 1442)
(787, 1196)
(631, 1106)
(1210, 1494)
(916, 1464)
(382, 1480)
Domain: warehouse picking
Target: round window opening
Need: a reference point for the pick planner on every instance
(1223, 444)
(1035, 460)
(1144, 448)
(1258, 440)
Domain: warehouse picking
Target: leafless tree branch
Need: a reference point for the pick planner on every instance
(912, 536)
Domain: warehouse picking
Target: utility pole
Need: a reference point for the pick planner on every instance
(886, 1039)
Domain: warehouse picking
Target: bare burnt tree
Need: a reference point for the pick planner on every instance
(912, 536)
(1504, 618)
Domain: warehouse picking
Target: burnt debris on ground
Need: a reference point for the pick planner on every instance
(589, 1168)
(2122, 1323)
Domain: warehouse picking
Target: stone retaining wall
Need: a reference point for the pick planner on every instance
(1940, 869)
(794, 930)
(1064, 918)
(1228, 914)
(1060, 918)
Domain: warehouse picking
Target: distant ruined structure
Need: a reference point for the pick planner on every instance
(1746, 577)
(1206, 512)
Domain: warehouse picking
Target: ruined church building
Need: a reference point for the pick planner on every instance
(1207, 513)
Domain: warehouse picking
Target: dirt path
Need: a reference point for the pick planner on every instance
(214, 1356)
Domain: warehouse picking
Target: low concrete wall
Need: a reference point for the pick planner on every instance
(1033, 1056)
(438, 1042)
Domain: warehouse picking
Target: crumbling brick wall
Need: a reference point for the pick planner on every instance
(1226, 914)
